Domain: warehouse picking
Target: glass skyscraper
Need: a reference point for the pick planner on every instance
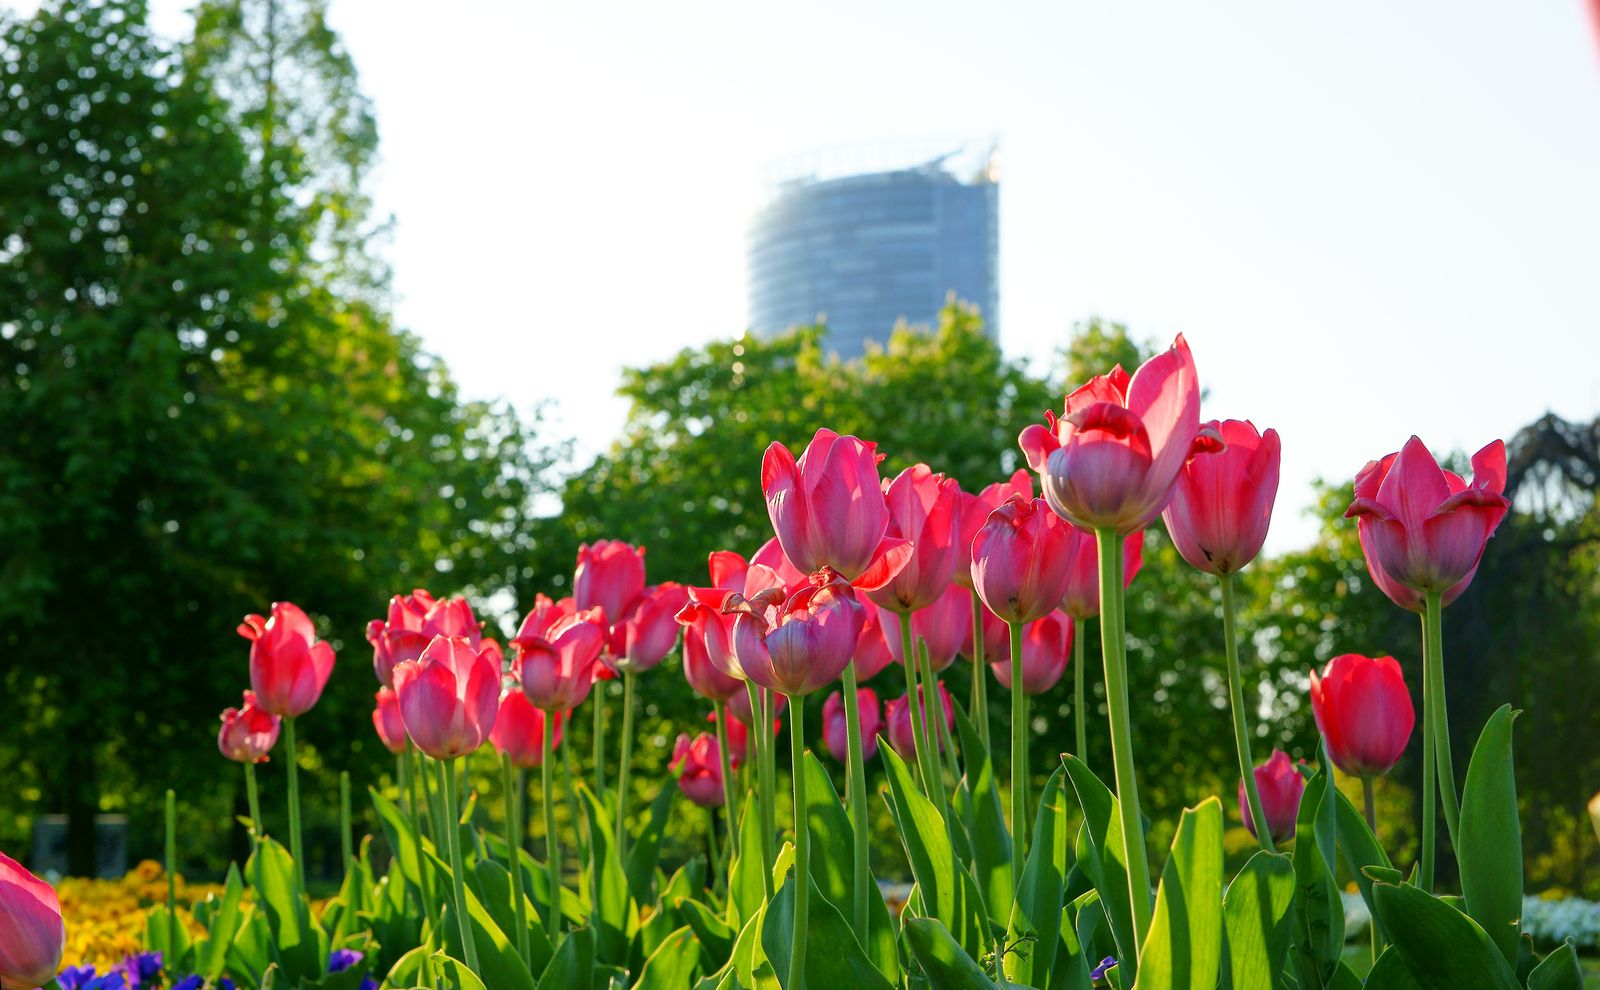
(863, 251)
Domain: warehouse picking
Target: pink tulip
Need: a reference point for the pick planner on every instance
(835, 734)
(1111, 460)
(558, 667)
(897, 714)
(519, 730)
(1018, 560)
(697, 764)
(1364, 712)
(876, 646)
(1219, 512)
(248, 733)
(705, 677)
(289, 666)
(647, 630)
(772, 557)
(996, 636)
(739, 731)
(827, 508)
(1082, 563)
(449, 697)
(32, 935)
(452, 617)
(739, 708)
(797, 644)
(945, 625)
(974, 512)
(391, 725)
(609, 576)
(924, 511)
(1279, 785)
(1423, 528)
(703, 617)
(1046, 648)
(400, 637)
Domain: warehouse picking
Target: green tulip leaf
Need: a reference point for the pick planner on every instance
(1557, 971)
(946, 965)
(211, 955)
(294, 941)
(615, 916)
(1035, 923)
(747, 892)
(671, 966)
(572, 965)
(982, 814)
(645, 850)
(1390, 972)
(1319, 909)
(716, 938)
(492, 884)
(1256, 914)
(1102, 857)
(1359, 847)
(1490, 849)
(498, 958)
(834, 957)
(1443, 948)
(1183, 949)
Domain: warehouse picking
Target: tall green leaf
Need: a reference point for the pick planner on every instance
(948, 890)
(1443, 948)
(1255, 912)
(1103, 858)
(1183, 949)
(294, 938)
(1557, 971)
(573, 962)
(1490, 839)
(1035, 923)
(945, 963)
(211, 954)
(615, 917)
(645, 850)
(1318, 908)
(978, 800)
(747, 890)
(672, 965)
(834, 957)
(1358, 847)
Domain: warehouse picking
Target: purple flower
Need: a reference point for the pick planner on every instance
(189, 983)
(342, 959)
(75, 977)
(136, 969)
(1099, 972)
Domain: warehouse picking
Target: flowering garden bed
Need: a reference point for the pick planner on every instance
(1047, 890)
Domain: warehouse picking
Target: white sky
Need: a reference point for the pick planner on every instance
(1370, 218)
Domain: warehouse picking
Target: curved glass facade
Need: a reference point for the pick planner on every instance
(865, 251)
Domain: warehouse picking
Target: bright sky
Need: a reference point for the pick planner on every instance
(1369, 218)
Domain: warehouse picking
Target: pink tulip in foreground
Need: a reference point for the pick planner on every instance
(609, 576)
(945, 625)
(827, 508)
(1423, 529)
(702, 616)
(519, 730)
(834, 733)
(697, 763)
(1363, 710)
(248, 732)
(1046, 648)
(1082, 562)
(1111, 459)
(1018, 560)
(705, 677)
(924, 511)
(973, 511)
(897, 715)
(797, 644)
(1220, 509)
(556, 666)
(1280, 786)
(449, 697)
(289, 666)
(31, 932)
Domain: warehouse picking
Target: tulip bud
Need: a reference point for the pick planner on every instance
(32, 935)
(248, 733)
(797, 644)
(973, 511)
(648, 629)
(399, 637)
(1279, 786)
(449, 697)
(1423, 529)
(835, 731)
(827, 508)
(945, 626)
(557, 672)
(609, 576)
(924, 511)
(1110, 460)
(389, 723)
(1046, 648)
(705, 677)
(902, 735)
(519, 730)
(1364, 713)
(1017, 560)
(697, 764)
(877, 646)
(289, 666)
(1222, 504)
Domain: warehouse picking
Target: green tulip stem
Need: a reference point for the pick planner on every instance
(1430, 795)
(1369, 810)
(802, 846)
(253, 797)
(1241, 719)
(721, 708)
(627, 758)
(933, 721)
(919, 728)
(346, 839)
(457, 876)
(769, 775)
(980, 674)
(552, 839)
(599, 707)
(756, 761)
(172, 874)
(1433, 643)
(508, 780)
(293, 761)
(1019, 759)
(1080, 721)
(569, 774)
(860, 814)
(1117, 709)
(402, 786)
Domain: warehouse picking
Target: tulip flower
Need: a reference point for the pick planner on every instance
(697, 764)
(449, 697)
(707, 680)
(924, 510)
(835, 732)
(738, 731)
(1112, 458)
(945, 626)
(32, 935)
(289, 666)
(400, 636)
(772, 557)
(973, 511)
(1280, 786)
(1046, 647)
(1109, 465)
(1017, 558)
(1363, 710)
(1082, 563)
(556, 667)
(827, 508)
(1220, 509)
(248, 733)
(897, 716)
(609, 576)
(796, 644)
(518, 731)
(739, 709)
(876, 645)
(1423, 532)
(648, 629)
